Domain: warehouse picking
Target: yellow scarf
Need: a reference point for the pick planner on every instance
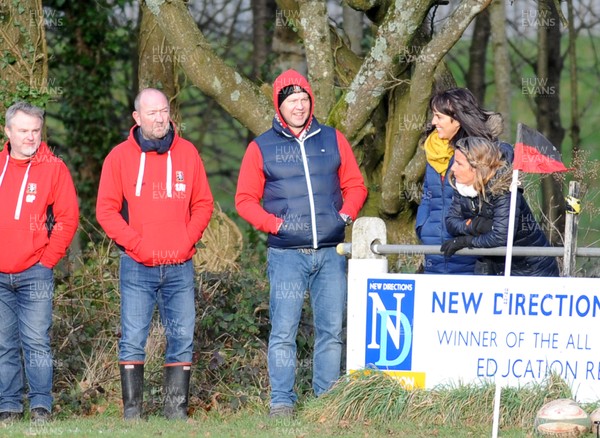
(438, 152)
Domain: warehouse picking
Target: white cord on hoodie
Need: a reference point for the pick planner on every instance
(138, 184)
(21, 193)
(4, 170)
(140, 178)
(169, 176)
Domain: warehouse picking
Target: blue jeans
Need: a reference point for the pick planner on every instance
(292, 273)
(142, 288)
(25, 320)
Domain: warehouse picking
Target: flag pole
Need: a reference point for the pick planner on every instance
(514, 186)
(535, 154)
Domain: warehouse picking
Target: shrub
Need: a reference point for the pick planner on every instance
(230, 343)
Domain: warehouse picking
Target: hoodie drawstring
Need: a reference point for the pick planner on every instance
(140, 178)
(169, 176)
(138, 184)
(4, 170)
(22, 192)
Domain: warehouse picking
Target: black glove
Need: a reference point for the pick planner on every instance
(449, 247)
(481, 225)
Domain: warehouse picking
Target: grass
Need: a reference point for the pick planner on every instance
(242, 424)
(378, 398)
(366, 404)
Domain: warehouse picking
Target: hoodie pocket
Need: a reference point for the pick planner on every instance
(165, 243)
(17, 249)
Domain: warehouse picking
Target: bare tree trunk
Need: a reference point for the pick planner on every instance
(24, 55)
(477, 56)
(502, 67)
(158, 61)
(241, 98)
(315, 23)
(575, 128)
(369, 85)
(549, 67)
(285, 40)
(353, 28)
(263, 15)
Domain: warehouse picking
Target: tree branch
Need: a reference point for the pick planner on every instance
(369, 85)
(240, 97)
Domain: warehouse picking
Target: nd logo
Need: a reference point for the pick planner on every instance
(390, 313)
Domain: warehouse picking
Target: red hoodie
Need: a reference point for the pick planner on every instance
(155, 206)
(27, 189)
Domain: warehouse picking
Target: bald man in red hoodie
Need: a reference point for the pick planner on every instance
(38, 220)
(154, 201)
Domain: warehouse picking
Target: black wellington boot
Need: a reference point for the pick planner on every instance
(176, 388)
(132, 387)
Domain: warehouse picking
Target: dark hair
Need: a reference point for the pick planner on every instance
(461, 105)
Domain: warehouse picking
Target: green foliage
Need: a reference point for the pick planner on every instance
(38, 96)
(232, 328)
(20, 57)
(90, 116)
(232, 336)
(232, 313)
(86, 328)
(7, 59)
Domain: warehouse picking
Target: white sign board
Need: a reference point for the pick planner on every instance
(441, 329)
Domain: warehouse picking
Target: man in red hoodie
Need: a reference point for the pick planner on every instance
(300, 183)
(154, 201)
(38, 219)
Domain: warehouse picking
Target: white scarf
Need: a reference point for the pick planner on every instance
(465, 190)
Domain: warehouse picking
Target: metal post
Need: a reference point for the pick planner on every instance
(571, 222)
(365, 231)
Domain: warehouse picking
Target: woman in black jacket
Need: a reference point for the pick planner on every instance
(455, 114)
(479, 215)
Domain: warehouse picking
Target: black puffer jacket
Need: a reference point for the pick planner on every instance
(496, 207)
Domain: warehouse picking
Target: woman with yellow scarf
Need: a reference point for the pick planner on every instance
(455, 115)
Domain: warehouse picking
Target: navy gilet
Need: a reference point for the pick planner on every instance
(302, 186)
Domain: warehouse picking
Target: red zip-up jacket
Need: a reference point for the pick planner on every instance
(154, 206)
(28, 188)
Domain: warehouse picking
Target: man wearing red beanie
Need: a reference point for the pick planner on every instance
(300, 183)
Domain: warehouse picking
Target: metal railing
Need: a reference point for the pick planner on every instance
(369, 236)
(518, 251)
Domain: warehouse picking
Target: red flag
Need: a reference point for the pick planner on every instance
(535, 154)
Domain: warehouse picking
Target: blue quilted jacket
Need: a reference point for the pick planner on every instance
(308, 202)
(431, 226)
